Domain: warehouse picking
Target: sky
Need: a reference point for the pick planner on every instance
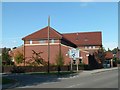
(59, 0)
(23, 18)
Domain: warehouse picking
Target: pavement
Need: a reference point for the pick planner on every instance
(99, 70)
(83, 73)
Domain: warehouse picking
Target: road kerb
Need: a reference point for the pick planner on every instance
(103, 70)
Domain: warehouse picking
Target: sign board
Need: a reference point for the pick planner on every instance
(74, 53)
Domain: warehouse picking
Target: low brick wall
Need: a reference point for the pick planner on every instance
(7, 69)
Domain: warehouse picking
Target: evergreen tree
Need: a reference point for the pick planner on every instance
(5, 56)
(59, 61)
(100, 55)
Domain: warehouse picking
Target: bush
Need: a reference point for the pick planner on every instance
(59, 61)
(85, 66)
(6, 58)
(19, 57)
(7, 80)
(81, 64)
(17, 70)
(118, 61)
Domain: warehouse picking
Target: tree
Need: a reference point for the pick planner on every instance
(0, 59)
(37, 59)
(6, 58)
(19, 57)
(100, 55)
(115, 50)
(59, 61)
(109, 50)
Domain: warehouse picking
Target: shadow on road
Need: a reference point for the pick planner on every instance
(29, 80)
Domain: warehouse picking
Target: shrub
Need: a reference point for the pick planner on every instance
(19, 57)
(59, 61)
(84, 66)
(17, 70)
(118, 61)
(6, 58)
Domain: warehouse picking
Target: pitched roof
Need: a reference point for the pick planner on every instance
(85, 38)
(109, 55)
(43, 34)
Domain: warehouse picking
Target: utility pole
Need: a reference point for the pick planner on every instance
(48, 43)
(24, 52)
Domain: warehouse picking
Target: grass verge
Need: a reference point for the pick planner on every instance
(7, 80)
(51, 73)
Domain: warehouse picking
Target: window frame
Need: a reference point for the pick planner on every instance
(42, 41)
(52, 41)
(30, 41)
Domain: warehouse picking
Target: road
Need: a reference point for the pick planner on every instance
(106, 79)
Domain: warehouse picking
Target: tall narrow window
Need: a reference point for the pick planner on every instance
(30, 41)
(93, 47)
(52, 41)
(42, 41)
(85, 47)
(89, 47)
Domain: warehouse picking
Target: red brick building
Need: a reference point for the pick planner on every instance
(87, 42)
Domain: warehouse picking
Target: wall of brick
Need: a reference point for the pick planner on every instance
(64, 50)
(84, 56)
(38, 41)
(54, 49)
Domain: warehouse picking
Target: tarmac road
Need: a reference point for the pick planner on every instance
(106, 79)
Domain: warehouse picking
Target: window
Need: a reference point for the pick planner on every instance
(89, 47)
(93, 47)
(85, 47)
(52, 41)
(30, 41)
(42, 41)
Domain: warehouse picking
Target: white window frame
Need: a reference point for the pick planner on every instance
(30, 41)
(42, 41)
(93, 47)
(90, 47)
(86, 47)
(52, 41)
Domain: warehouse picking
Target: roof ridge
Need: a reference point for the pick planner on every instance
(34, 32)
(53, 30)
(57, 32)
(83, 32)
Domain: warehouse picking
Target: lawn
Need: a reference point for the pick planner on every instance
(51, 73)
(7, 81)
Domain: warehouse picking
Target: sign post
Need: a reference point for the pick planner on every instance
(74, 54)
(77, 65)
(71, 64)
